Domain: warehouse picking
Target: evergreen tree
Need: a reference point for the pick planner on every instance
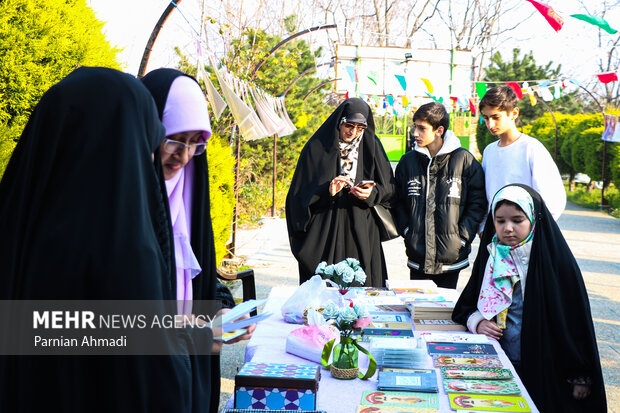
(40, 43)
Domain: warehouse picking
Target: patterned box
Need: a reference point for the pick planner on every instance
(277, 386)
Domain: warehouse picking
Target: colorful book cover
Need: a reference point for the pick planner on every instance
(429, 336)
(391, 318)
(403, 325)
(403, 370)
(488, 402)
(391, 409)
(430, 324)
(477, 373)
(386, 332)
(414, 290)
(453, 360)
(508, 387)
(460, 348)
(424, 381)
(371, 291)
(400, 399)
(387, 308)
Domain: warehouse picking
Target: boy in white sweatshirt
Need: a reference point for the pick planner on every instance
(517, 158)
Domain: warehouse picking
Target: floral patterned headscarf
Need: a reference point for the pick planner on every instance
(500, 273)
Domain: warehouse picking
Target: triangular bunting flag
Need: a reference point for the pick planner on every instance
(608, 77)
(481, 89)
(597, 21)
(402, 81)
(554, 19)
(428, 84)
(517, 89)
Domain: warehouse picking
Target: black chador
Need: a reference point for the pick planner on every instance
(83, 217)
(558, 343)
(326, 228)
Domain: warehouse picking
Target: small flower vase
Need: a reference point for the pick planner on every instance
(345, 359)
(344, 364)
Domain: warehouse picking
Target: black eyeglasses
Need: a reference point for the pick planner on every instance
(195, 149)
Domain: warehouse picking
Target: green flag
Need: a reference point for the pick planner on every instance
(597, 21)
(481, 89)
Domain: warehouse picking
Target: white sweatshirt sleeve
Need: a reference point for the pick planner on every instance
(546, 179)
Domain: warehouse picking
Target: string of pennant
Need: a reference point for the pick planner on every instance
(545, 89)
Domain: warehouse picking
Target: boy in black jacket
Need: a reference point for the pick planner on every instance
(441, 199)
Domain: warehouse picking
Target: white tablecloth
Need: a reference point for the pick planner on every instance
(343, 396)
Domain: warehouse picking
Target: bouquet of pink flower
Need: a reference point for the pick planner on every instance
(350, 319)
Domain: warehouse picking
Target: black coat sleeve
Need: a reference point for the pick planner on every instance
(476, 202)
(401, 210)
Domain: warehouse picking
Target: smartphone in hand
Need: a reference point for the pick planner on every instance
(366, 184)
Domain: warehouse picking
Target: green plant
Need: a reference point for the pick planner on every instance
(40, 43)
(592, 199)
(221, 192)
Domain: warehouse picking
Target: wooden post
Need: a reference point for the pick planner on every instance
(233, 244)
(273, 196)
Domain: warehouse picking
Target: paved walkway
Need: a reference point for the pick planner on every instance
(593, 237)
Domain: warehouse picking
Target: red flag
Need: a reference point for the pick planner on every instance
(472, 107)
(554, 19)
(608, 77)
(517, 89)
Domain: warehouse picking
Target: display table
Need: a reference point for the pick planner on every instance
(343, 396)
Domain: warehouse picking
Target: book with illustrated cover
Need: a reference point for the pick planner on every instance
(422, 381)
(400, 399)
(390, 409)
(403, 370)
(391, 318)
(368, 333)
(488, 402)
(508, 387)
(403, 325)
(429, 325)
(453, 360)
(376, 308)
(371, 291)
(453, 337)
(477, 373)
(435, 347)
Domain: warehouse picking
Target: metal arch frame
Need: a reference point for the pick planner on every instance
(149, 44)
(288, 39)
(305, 72)
(322, 84)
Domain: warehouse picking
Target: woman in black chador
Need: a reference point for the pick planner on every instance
(527, 292)
(82, 217)
(328, 211)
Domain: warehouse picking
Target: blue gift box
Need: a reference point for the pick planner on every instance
(277, 386)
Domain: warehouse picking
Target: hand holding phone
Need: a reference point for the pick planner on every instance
(366, 184)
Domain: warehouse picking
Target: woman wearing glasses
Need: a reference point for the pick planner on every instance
(342, 172)
(183, 111)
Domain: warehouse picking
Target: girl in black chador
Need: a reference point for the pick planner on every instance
(526, 290)
(328, 212)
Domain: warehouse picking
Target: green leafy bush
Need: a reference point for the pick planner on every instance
(222, 191)
(40, 43)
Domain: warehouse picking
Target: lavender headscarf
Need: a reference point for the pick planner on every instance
(185, 110)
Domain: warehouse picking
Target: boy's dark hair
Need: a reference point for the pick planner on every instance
(434, 114)
(501, 97)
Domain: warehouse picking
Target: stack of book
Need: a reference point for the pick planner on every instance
(430, 306)
(453, 354)
(402, 353)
